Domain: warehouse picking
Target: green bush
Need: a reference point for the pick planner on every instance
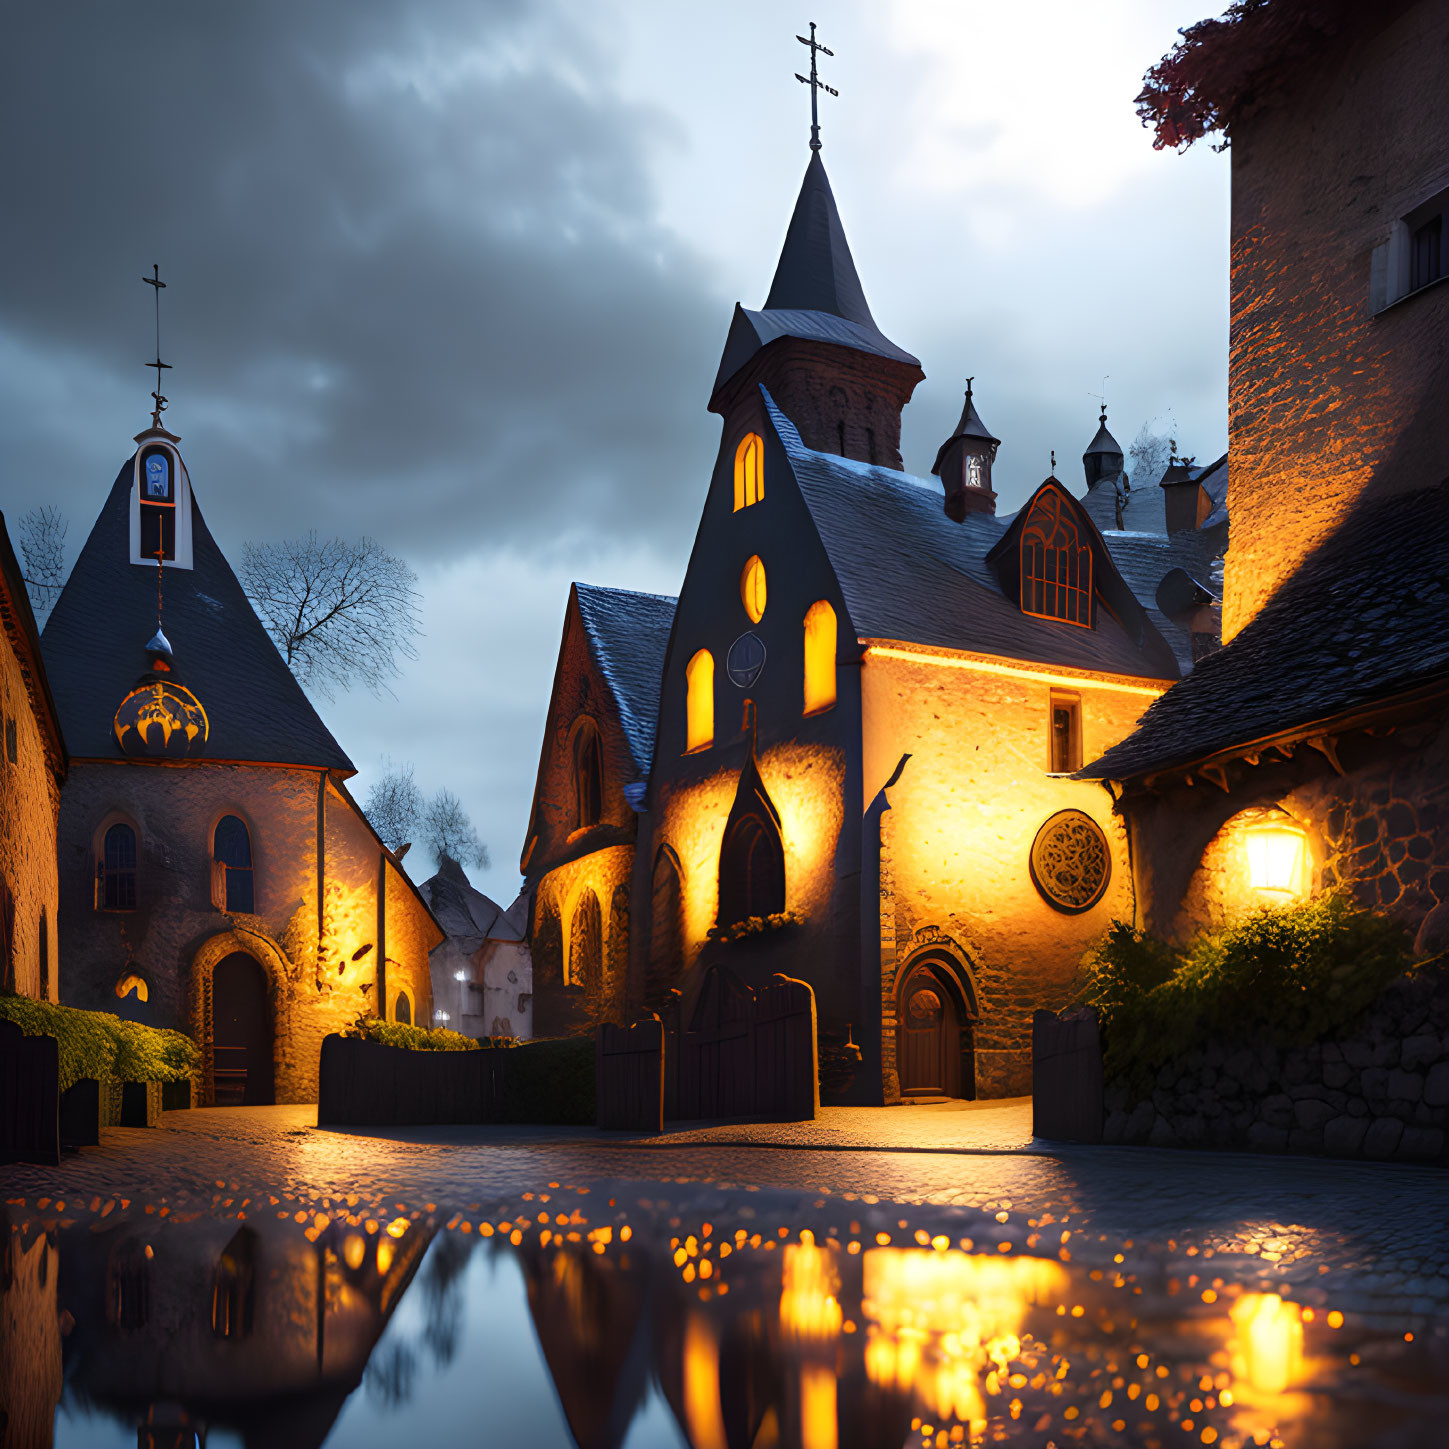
(550, 1081)
(413, 1038)
(99, 1044)
(1291, 974)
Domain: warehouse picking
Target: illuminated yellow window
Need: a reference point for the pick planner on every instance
(749, 471)
(819, 657)
(699, 701)
(752, 589)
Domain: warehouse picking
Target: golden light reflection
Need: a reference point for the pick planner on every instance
(354, 1250)
(385, 1252)
(809, 1302)
(1269, 1341)
(701, 1385)
(817, 1407)
(940, 1322)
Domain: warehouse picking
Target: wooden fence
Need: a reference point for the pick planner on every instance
(629, 1072)
(29, 1097)
(1066, 1077)
(364, 1083)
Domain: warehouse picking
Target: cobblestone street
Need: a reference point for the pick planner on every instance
(1370, 1238)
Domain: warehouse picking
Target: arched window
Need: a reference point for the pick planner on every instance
(586, 942)
(588, 775)
(699, 702)
(44, 956)
(749, 471)
(232, 866)
(819, 657)
(1056, 563)
(666, 929)
(402, 1007)
(751, 870)
(752, 589)
(116, 886)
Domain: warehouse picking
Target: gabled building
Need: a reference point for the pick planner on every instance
(215, 874)
(32, 770)
(482, 973)
(865, 709)
(1311, 753)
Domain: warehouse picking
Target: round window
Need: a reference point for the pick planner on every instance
(1071, 862)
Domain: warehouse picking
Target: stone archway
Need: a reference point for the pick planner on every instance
(272, 964)
(936, 1010)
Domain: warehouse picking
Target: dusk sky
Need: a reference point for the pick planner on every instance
(457, 274)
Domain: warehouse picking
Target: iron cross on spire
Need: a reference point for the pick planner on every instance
(154, 280)
(815, 83)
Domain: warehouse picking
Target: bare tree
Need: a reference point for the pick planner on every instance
(448, 831)
(42, 547)
(394, 805)
(1148, 456)
(340, 612)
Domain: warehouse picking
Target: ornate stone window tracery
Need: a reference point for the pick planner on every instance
(1071, 862)
(1056, 563)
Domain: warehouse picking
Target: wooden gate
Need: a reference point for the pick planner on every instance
(749, 1053)
(629, 1076)
(1066, 1077)
(29, 1096)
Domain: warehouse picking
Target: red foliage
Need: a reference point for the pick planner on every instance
(1221, 67)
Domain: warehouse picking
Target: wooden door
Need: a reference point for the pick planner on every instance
(241, 1033)
(927, 1034)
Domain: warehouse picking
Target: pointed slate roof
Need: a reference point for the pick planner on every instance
(909, 572)
(1361, 621)
(816, 294)
(464, 912)
(970, 426)
(95, 638)
(628, 635)
(1104, 442)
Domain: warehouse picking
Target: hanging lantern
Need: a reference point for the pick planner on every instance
(1276, 851)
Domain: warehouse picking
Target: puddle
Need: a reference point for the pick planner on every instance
(568, 1317)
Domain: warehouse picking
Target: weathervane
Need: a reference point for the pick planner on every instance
(815, 83)
(1054, 462)
(154, 280)
(1102, 396)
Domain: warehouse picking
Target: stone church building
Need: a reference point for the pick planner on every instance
(215, 875)
(846, 751)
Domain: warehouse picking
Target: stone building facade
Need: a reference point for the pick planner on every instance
(863, 712)
(1322, 723)
(216, 876)
(32, 770)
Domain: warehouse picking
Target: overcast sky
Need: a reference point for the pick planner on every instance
(457, 274)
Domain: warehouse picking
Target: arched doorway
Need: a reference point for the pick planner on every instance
(935, 1054)
(241, 1033)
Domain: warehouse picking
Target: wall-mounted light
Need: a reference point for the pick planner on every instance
(443, 1016)
(1276, 850)
(460, 976)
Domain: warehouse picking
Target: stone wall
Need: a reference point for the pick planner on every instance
(956, 841)
(176, 936)
(29, 805)
(1326, 399)
(1381, 1090)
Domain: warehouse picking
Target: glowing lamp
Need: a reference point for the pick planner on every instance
(443, 1016)
(460, 976)
(1275, 856)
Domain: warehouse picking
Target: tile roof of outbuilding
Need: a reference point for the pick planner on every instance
(628, 636)
(95, 640)
(908, 572)
(1361, 621)
(463, 911)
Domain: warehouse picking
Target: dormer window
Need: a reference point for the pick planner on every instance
(160, 508)
(1056, 563)
(749, 471)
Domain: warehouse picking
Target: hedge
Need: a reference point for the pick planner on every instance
(99, 1044)
(413, 1038)
(1290, 974)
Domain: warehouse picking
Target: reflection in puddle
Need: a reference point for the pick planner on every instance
(564, 1320)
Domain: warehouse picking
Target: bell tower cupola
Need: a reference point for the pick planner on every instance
(963, 464)
(1103, 458)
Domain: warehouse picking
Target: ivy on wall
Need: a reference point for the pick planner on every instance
(1290, 974)
(98, 1044)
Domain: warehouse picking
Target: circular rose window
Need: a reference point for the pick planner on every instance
(1071, 862)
